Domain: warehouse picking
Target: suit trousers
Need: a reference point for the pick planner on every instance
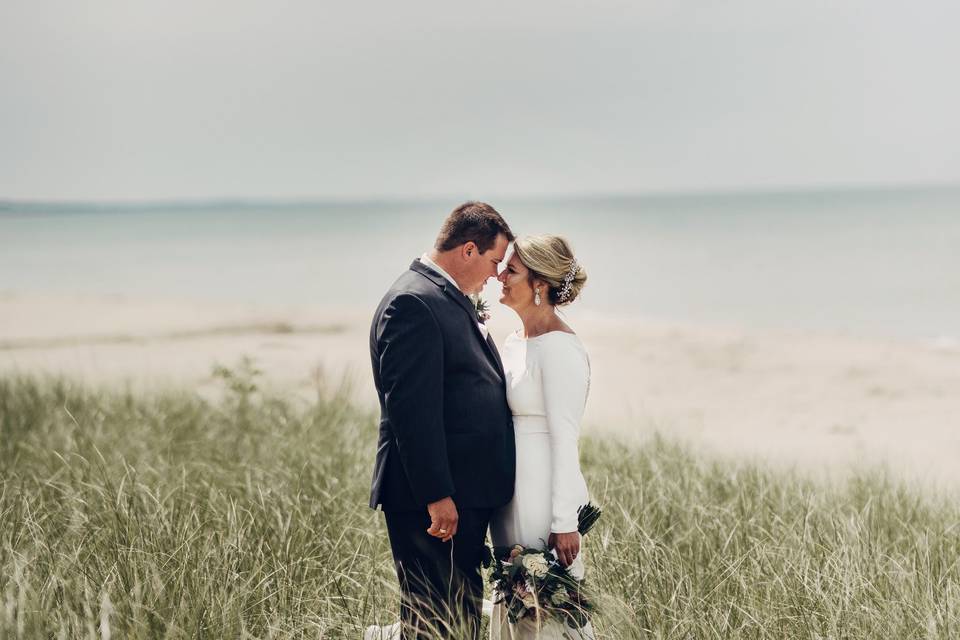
(441, 588)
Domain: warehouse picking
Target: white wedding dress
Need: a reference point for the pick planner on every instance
(548, 378)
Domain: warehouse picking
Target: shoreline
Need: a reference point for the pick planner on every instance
(815, 401)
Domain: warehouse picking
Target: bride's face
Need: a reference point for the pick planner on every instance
(517, 290)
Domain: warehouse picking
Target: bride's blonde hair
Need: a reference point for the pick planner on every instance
(550, 258)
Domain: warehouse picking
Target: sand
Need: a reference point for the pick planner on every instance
(821, 403)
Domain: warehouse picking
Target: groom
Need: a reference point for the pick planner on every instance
(445, 456)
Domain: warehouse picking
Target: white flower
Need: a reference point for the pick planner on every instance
(481, 306)
(536, 564)
(559, 597)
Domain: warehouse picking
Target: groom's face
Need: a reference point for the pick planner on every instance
(480, 267)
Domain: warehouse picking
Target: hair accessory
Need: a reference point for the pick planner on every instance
(568, 280)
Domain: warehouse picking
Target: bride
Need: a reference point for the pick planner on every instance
(547, 377)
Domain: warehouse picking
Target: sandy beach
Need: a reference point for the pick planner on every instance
(824, 403)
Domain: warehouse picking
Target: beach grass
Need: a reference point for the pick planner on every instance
(168, 515)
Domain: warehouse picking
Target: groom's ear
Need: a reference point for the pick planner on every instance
(468, 249)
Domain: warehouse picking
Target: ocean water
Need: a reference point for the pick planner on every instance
(883, 262)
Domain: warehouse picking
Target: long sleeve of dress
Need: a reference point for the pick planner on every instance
(566, 373)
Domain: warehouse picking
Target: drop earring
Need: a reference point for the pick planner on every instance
(536, 297)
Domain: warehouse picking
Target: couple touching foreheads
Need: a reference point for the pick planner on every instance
(472, 438)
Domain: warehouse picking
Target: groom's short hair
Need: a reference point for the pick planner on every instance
(475, 222)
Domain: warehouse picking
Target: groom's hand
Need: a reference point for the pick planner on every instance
(443, 518)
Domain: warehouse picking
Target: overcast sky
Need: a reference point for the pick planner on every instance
(126, 99)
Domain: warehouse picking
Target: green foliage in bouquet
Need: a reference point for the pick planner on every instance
(531, 583)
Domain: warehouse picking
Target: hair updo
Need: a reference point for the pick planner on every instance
(550, 258)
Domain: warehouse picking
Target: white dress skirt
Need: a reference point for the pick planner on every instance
(548, 379)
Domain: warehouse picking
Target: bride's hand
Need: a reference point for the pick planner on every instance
(567, 546)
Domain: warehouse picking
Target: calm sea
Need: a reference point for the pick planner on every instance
(860, 262)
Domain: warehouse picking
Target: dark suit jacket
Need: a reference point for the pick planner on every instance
(445, 427)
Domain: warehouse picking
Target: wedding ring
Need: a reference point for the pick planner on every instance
(443, 530)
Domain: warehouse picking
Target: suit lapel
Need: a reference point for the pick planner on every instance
(464, 303)
(496, 354)
(471, 312)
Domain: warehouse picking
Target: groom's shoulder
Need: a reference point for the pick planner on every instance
(411, 284)
(413, 281)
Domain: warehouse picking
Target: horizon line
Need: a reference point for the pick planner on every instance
(312, 200)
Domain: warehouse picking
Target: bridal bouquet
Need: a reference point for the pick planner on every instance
(532, 583)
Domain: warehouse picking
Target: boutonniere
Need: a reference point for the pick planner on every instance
(481, 307)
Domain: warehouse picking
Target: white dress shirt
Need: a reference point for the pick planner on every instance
(425, 260)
